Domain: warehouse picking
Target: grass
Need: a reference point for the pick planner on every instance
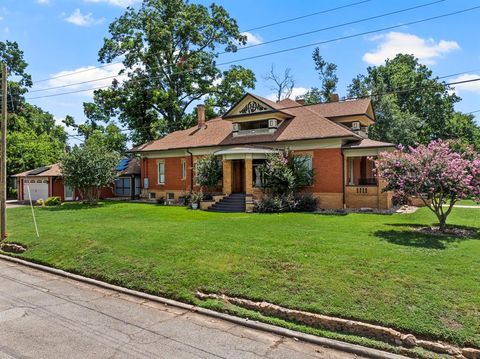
(369, 267)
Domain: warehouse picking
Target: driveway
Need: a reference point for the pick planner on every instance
(43, 315)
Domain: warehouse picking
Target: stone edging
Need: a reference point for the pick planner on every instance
(330, 343)
(354, 327)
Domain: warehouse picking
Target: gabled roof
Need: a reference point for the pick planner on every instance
(274, 106)
(304, 122)
(46, 171)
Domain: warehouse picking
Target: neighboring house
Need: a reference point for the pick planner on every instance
(44, 182)
(333, 135)
(128, 183)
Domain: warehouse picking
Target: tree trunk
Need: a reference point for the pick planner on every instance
(442, 220)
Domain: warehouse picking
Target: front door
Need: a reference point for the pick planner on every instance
(238, 176)
(68, 195)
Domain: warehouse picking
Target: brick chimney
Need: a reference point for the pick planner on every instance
(333, 97)
(201, 116)
(301, 101)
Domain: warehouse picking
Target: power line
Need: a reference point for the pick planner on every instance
(354, 35)
(337, 26)
(256, 28)
(289, 49)
(305, 16)
(260, 44)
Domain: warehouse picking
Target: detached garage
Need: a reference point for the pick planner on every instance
(44, 182)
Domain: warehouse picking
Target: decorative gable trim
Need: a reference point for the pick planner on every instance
(253, 107)
(248, 105)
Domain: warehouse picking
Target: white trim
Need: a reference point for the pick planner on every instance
(184, 169)
(161, 162)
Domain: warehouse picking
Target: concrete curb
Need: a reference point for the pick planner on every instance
(330, 343)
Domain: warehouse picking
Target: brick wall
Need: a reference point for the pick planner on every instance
(328, 167)
(173, 175)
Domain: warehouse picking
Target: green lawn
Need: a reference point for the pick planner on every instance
(363, 266)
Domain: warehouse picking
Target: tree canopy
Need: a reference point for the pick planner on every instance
(34, 139)
(169, 50)
(89, 168)
(436, 173)
(411, 105)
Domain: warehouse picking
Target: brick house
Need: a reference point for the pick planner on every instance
(334, 135)
(47, 181)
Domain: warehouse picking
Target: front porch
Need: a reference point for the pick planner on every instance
(362, 189)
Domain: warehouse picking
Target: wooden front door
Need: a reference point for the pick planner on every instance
(238, 176)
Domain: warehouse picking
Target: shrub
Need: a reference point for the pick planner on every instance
(40, 202)
(161, 200)
(12, 193)
(285, 173)
(306, 202)
(53, 201)
(300, 202)
(208, 171)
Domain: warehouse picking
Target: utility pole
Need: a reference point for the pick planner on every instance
(3, 157)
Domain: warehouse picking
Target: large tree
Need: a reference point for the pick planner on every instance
(169, 50)
(34, 138)
(410, 104)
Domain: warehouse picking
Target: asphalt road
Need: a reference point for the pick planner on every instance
(43, 315)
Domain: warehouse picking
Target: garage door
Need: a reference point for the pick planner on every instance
(38, 189)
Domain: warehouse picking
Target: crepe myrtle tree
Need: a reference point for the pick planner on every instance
(208, 172)
(89, 168)
(284, 173)
(436, 173)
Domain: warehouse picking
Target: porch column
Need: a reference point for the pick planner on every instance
(227, 177)
(248, 176)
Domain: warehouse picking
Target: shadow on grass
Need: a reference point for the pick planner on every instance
(75, 206)
(413, 238)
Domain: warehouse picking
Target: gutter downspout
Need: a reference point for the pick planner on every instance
(191, 169)
(343, 179)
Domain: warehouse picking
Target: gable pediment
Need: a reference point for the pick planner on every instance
(247, 106)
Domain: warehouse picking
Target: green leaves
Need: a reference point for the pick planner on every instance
(410, 105)
(89, 168)
(208, 171)
(168, 48)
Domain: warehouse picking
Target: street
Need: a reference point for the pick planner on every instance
(43, 315)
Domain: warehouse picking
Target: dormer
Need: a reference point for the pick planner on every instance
(254, 115)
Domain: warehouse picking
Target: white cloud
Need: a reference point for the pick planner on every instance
(73, 78)
(121, 3)
(393, 43)
(468, 86)
(252, 39)
(43, 2)
(296, 91)
(79, 19)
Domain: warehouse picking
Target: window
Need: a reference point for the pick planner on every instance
(306, 159)
(184, 169)
(161, 172)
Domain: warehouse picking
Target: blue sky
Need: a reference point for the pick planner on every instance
(63, 36)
